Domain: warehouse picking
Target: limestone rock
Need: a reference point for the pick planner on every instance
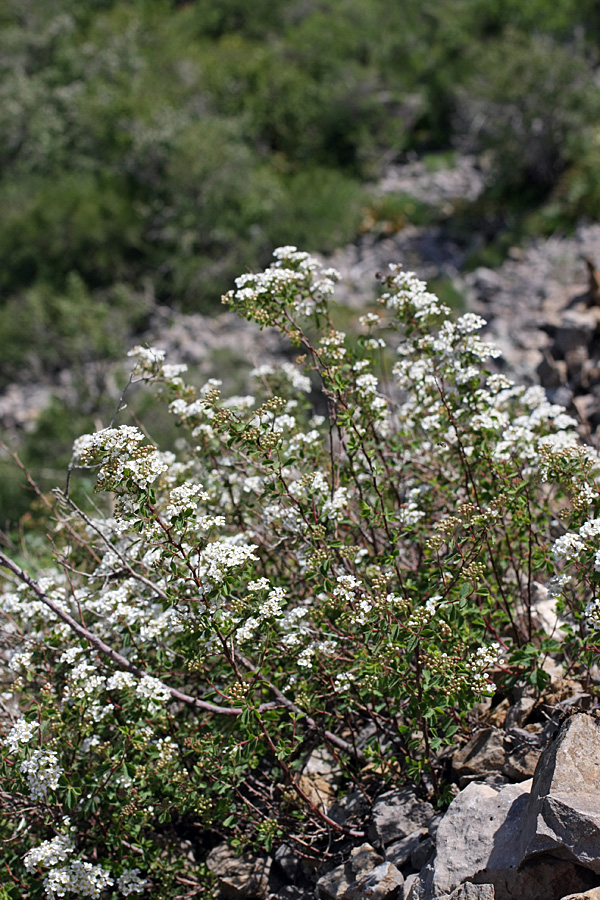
(422, 853)
(384, 882)
(289, 892)
(479, 832)
(239, 876)
(492, 752)
(398, 813)
(401, 851)
(320, 778)
(333, 885)
(354, 806)
(521, 758)
(483, 754)
(563, 815)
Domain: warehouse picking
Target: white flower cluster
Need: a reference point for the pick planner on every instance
(332, 509)
(152, 689)
(149, 359)
(366, 385)
(81, 878)
(349, 590)
(480, 662)
(184, 498)
(43, 771)
(20, 733)
(343, 681)
(121, 455)
(130, 882)
(297, 380)
(569, 546)
(20, 661)
(332, 346)
(295, 275)
(218, 557)
(49, 853)
(410, 296)
(270, 609)
(556, 585)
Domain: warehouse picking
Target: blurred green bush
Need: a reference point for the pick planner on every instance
(152, 150)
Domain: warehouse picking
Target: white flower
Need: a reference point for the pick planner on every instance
(343, 681)
(153, 689)
(49, 853)
(567, 547)
(590, 529)
(43, 771)
(20, 661)
(120, 680)
(130, 882)
(80, 878)
(20, 733)
(247, 630)
(366, 385)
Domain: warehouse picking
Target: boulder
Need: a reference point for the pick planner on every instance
(479, 841)
(563, 813)
(493, 752)
(396, 814)
(481, 828)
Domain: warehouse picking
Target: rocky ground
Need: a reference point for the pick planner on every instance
(524, 823)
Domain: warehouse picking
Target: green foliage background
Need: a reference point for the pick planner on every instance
(152, 150)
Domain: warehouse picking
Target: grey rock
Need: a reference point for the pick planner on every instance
(434, 824)
(478, 834)
(353, 806)
(575, 331)
(397, 814)
(494, 756)
(484, 753)
(517, 714)
(537, 844)
(288, 862)
(408, 883)
(384, 881)
(552, 372)
(422, 853)
(521, 758)
(335, 883)
(400, 851)
(470, 891)
(563, 815)
(239, 876)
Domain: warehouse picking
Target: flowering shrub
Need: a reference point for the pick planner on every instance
(345, 560)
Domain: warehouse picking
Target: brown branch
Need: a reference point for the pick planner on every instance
(106, 650)
(328, 735)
